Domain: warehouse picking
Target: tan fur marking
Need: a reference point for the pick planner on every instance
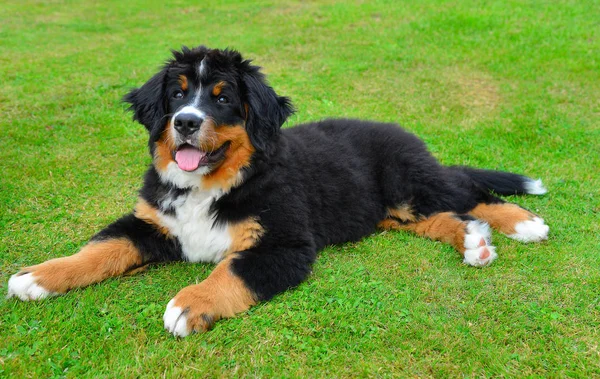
(216, 91)
(245, 235)
(502, 217)
(404, 212)
(222, 294)
(237, 155)
(389, 224)
(183, 82)
(163, 154)
(149, 215)
(95, 262)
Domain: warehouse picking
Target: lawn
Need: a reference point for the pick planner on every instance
(507, 85)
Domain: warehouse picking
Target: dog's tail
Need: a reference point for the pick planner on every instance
(503, 183)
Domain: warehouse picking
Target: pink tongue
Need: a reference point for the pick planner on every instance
(188, 158)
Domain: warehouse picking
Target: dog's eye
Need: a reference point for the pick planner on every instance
(178, 95)
(222, 100)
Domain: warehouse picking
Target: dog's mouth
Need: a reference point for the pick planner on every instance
(190, 158)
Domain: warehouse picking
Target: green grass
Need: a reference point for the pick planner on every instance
(506, 85)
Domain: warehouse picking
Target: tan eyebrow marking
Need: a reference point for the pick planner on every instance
(216, 91)
(183, 82)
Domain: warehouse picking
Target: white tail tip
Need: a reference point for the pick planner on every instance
(534, 187)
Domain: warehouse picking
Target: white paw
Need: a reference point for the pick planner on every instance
(175, 320)
(476, 231)
(481, 256)
(25, 288)
(531, 231)
(478, 251)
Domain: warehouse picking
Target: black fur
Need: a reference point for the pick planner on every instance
(148, 102)
(267, 111)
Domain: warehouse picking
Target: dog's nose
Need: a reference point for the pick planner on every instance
(187, 123)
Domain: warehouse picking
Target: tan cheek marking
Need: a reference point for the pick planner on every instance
(502, 217)
(245, 235)
(183, 82)
(237, 156)
(149, 215)
(164, 147)
(222, 294)
(216, 91)
(93, 263)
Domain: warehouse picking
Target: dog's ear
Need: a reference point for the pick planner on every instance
(147, 102)
(266, 111)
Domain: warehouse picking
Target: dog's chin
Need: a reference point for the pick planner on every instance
(191, 158)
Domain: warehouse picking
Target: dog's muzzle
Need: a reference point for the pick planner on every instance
(187, 124)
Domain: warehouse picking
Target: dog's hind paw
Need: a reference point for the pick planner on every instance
(534, 230)
(478, 251)
(481, 256)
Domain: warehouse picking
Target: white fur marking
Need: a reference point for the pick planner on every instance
(534, 187)
(190, 108)
(202, 68)
(25, 288)
(531, 230)
(472, 257)
(194, 226)
(175, 320)
(476, 230)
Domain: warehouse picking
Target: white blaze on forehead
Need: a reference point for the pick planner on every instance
(202, 68)
(201, 73)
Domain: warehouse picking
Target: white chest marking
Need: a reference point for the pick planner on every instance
(201, 240)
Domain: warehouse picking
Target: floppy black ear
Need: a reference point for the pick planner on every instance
(266, 111)
(147, 102)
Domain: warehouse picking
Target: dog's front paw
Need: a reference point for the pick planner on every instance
(175, 319)
(187, 314)
(25, 286)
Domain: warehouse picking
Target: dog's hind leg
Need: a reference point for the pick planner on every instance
(513, 221)
(471, 237)
(507, 218)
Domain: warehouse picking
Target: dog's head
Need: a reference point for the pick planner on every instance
(208, 112)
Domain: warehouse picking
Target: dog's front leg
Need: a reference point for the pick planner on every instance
(126, 246)
(197, 307)
(237, 283)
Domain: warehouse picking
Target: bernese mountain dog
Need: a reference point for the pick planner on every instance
(228, 185)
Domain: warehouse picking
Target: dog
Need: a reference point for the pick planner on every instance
(228, 185)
